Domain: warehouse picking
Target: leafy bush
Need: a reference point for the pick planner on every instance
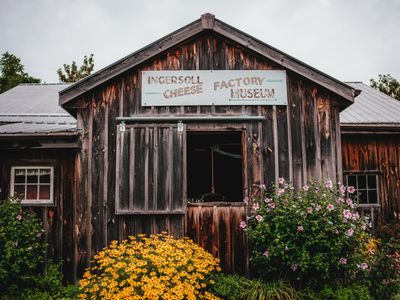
(153, 267)
(235, 287)
(352, 292)
(21, 249)
(385, 268)
(230, 287)
(312, 237)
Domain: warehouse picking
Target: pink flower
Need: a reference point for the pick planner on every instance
(309, 210)
(280, 192)
(19, 217)
(300, 228)
(342, 261)
(256, 206)
(306, 188)
(281, 180)
(262, 186)
(363, 266)
(294, 267)
(329, 184)
(243, 224)
(272, 205)
(350, 232)
(267, 200)
(349, 201)
(259, 218)
(330, 207)
(342, 189)
(351, 189)
(347, 214)
(266, 253)
(356, 216)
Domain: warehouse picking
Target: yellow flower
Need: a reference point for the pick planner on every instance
(154, 267)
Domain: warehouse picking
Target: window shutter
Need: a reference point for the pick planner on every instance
(151, 169)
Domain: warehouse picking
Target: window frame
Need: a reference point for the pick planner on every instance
(366, 173)
(31, 202)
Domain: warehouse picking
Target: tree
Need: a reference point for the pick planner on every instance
(71, 72)
(12, 72)
(387, 85)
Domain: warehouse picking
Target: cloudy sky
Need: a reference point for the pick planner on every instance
(352, 40)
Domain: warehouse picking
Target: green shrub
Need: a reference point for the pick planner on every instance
(385, 268)
(352, 292)
(21, 248)
(235, 287)
(231, 287)
(310, 237)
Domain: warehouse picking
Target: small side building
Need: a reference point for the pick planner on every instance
(371, 152)
(38, 145)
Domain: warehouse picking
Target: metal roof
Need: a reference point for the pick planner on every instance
(34, 108)
(371, 107)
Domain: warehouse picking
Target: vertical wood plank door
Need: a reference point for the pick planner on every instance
(151, 170)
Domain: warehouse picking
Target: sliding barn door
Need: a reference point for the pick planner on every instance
(151, 169)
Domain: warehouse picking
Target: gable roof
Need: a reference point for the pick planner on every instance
(207, 22)
(34, 108)
(371, 109)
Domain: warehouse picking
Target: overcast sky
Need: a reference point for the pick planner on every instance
(351, 40)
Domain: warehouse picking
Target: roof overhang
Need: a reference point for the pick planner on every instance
(208, 23)
(370, 128)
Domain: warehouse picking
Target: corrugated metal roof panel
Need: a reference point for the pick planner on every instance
(35, 128)
(32, 99)
(33, 108)
(371, 107)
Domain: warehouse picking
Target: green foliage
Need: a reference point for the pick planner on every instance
(21, 255)
(12, 72)
(21, 249)
(311, 237)
(385, 269)
(352, 292)
(72, 73)
(235, 287)
(387, 85)
(230, 287)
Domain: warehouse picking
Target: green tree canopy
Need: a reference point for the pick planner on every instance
(12, 72)
(72, 73)
(387, 85)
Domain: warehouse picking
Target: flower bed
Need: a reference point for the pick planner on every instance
(155, 267)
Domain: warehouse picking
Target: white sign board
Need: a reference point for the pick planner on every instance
(175, 88)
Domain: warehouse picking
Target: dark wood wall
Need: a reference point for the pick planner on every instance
(296, 141)
(58, 219)
(378, 153)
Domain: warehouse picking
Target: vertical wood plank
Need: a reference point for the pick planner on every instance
(276, 146)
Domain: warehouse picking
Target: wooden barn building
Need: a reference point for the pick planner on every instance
(172, 138)
(371, 152)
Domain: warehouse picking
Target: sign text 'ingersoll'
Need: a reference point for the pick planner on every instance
(164, 88)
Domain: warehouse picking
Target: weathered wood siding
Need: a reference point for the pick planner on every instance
(215, 227)
(58, 219)
(381, 154)
(296, 141)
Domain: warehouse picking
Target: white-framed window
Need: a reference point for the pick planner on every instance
(33, 184)
(367, 187)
